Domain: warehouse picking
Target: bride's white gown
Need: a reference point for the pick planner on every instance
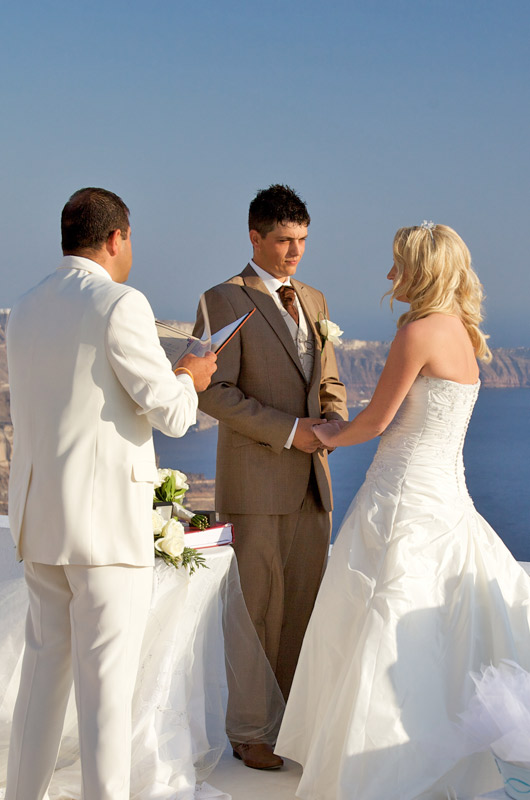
(419, 590)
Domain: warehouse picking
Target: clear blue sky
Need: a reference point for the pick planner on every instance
(380, 113)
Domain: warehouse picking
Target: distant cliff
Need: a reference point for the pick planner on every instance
(360, 364)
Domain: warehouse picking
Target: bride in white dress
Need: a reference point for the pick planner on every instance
(419, 590)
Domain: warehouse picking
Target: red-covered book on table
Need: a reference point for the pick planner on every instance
(214, 536)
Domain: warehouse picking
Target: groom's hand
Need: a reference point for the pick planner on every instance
(304, 438)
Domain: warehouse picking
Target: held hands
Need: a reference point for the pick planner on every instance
(328, 434)
(304, 437)
(201, 368)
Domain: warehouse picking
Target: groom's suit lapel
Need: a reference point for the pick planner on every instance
(257, 292)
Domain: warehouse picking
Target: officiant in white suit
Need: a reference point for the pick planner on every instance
(88, 380)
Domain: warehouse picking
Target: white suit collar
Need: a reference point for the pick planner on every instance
(80, 262)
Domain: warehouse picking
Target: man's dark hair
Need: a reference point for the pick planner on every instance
(277, 205)
(89, 217)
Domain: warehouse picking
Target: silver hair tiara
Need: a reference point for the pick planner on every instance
(429, 226)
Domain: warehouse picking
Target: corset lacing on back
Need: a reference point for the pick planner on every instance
(428, 432)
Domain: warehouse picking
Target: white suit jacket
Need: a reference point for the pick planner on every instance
(88, 380)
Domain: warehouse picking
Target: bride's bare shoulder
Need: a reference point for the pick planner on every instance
(442, 343)
(417, 330)
(431, 335)
(433, 324)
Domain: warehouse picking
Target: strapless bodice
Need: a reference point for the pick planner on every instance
(426, 437)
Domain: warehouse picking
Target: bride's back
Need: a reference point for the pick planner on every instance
(450, 353)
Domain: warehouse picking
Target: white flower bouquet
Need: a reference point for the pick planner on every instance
(170, 544)
(171, 487)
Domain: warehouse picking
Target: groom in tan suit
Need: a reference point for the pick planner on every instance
(273, 383)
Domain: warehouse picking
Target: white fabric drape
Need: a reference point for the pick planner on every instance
(181, 694)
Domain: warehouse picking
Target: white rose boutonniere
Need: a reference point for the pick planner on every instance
(170, 544)
(329, 331)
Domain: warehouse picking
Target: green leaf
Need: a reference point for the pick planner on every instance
(190, 559)
(167, 492)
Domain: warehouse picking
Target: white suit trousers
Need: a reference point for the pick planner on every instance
(85, 623)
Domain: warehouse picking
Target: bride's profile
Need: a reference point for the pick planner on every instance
(419, 590)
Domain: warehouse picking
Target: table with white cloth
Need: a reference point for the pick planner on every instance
(180, 699)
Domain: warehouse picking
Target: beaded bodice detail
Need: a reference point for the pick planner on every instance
(427, 434)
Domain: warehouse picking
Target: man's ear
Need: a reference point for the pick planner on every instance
(255, 239)
(113, 242)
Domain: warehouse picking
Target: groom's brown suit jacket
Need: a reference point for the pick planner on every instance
(279, 499)
(258, 391)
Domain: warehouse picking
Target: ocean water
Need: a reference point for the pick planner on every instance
(496, 456)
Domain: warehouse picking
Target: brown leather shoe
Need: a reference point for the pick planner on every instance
(257, 756)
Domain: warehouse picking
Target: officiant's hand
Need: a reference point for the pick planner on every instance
(304, 437)
(200, 367)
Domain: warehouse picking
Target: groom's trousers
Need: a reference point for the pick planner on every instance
(281, 561)
(84, 623)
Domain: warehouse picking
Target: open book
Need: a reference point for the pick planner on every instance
(178, 343)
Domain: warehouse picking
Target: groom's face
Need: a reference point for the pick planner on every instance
(279, 252)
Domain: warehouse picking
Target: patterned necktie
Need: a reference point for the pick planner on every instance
(287, 296)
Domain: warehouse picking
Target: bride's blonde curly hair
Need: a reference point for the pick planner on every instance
(434, 273)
